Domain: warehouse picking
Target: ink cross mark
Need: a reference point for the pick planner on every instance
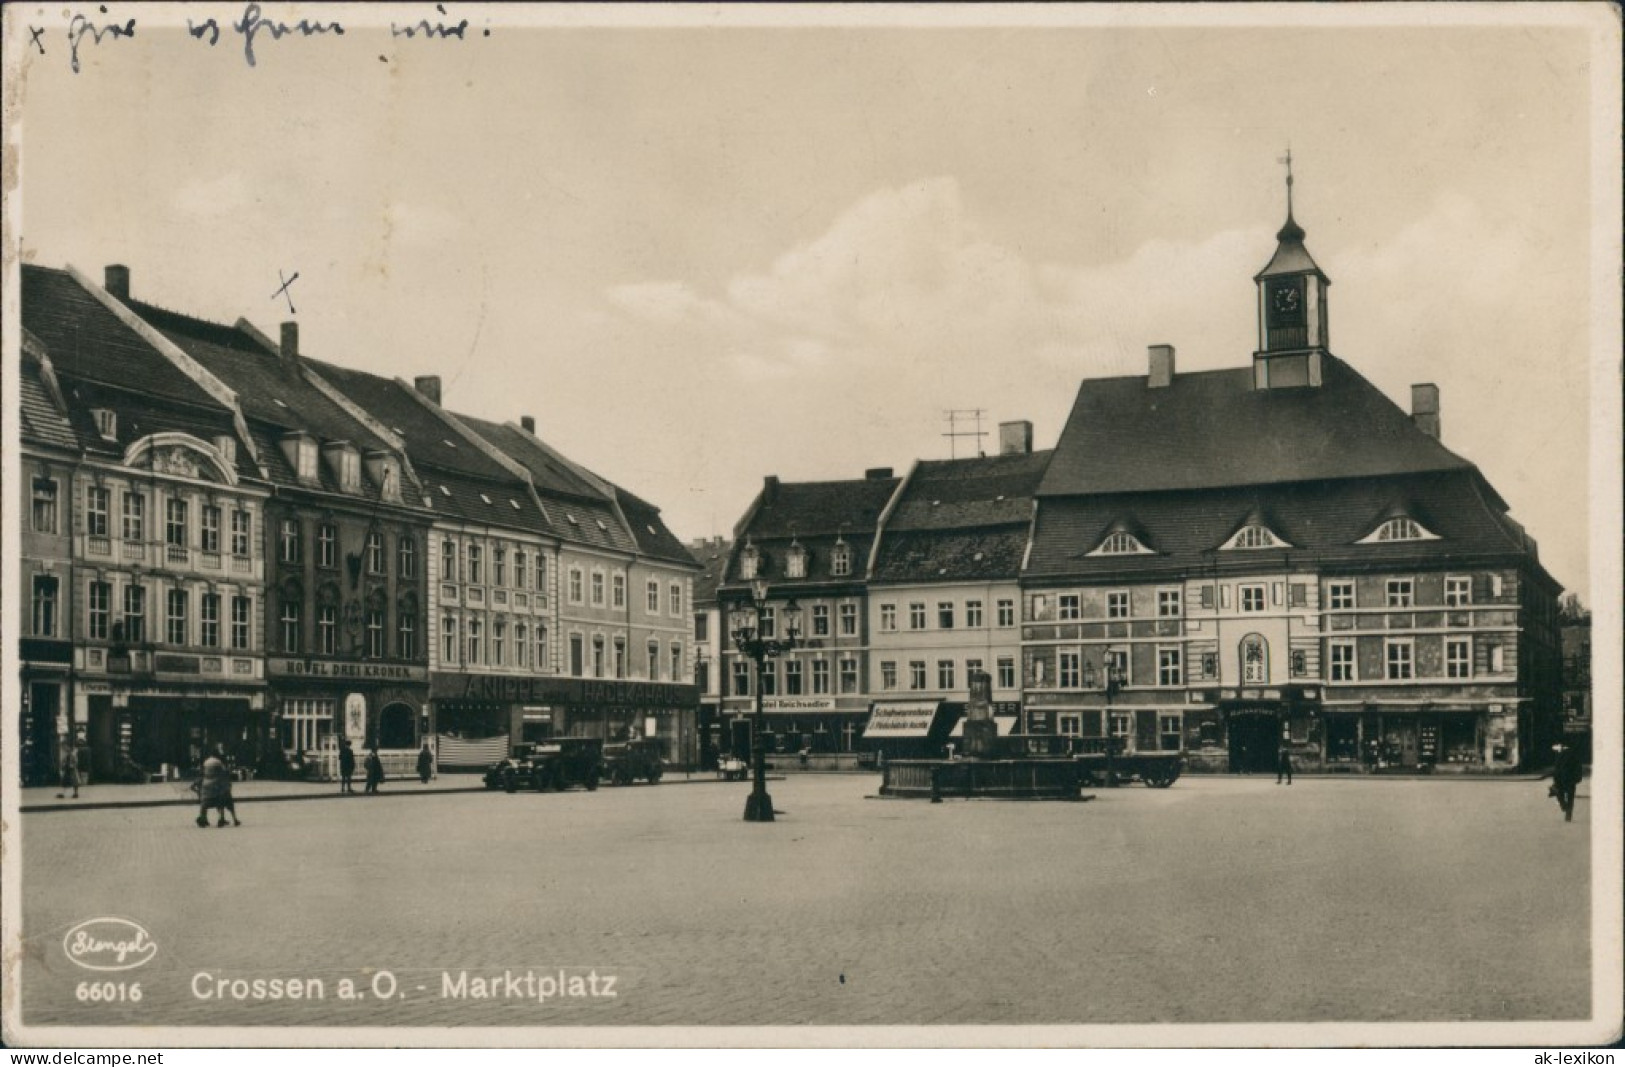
(34, 38)
(283, 292)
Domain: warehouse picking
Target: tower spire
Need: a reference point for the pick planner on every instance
(1291, 231)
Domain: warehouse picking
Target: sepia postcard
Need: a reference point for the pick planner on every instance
(811, 525)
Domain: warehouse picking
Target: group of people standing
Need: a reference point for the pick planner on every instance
(374, 767)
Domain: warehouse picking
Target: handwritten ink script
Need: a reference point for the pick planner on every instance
(254, 27)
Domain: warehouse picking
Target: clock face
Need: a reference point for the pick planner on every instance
(1287, 299)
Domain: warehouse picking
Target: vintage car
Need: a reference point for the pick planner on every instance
(732, 768)
(558, 763)
(627, 761)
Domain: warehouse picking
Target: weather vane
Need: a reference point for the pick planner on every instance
(1287, 159)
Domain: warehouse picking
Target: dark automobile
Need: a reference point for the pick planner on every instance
(559, 763)
(626, 762)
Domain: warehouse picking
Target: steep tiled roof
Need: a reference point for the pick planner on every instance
(791, 509)
(551, 473)
(1212, 429)
(985, 554)
(495, 502)
(429, 440)
(712, 556)
(40, 421)
(653, 538)
(87, 341)
(270, 390)
(141, 414)
(969, 493)
(1321, 520)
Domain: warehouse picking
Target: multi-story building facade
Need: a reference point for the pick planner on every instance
(50, 455)
(711, 640)
(345, 607)
(811, 542)
(943, 599)
(234, 545)
(1226, 561)
(166, 507)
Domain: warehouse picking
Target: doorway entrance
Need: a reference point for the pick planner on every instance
(1254, 737)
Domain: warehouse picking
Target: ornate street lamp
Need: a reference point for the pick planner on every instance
(746, 624)
(1114, 685)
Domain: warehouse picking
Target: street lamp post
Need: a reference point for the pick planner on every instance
(757, 647)
(1114, 683)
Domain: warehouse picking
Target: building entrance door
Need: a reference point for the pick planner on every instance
(1254, 737)
(39, 735)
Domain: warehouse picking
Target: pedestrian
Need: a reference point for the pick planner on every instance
(1566, 775)
(1283, 764)
(72, 775)
(425, 763)
(375, 770)
(346, 766)
(214, 791)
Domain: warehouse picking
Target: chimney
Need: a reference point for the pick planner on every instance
(290, 342)
(117, 280)
(1160, 372)
(428, 385)
(1015, 438)
(1425, 408)
(529, 424)
(877, 473)
(770, 488)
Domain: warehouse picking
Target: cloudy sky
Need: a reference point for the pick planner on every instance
(701, 253)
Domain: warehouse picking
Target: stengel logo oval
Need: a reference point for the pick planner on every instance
(108, 944)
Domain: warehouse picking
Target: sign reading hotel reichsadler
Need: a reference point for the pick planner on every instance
(321, 668)
(519, 689)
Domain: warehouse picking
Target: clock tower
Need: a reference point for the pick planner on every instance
(1291, 310)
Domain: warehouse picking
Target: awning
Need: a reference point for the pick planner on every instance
(911, 718)
(1004, 724)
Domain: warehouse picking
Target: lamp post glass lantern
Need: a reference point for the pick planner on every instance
(746, 621)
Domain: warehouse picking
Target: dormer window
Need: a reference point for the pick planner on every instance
(1120, 543)
(1254, 535)
(795, 561)
(749, 561)
(1400, 528)
(305, 459)
(840, 560)
(106, 422)
(226, 445)
(349, 471)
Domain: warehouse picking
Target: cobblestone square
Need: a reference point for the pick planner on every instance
(1218, 900)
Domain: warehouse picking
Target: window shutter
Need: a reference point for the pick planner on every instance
(1207, 596)
(1300, 595)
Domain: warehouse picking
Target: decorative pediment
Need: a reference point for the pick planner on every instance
(181, 455)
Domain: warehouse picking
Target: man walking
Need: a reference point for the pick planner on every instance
(425, 764)
(1283, 763)
(1566, 775)
(346, 766)
(375, 770)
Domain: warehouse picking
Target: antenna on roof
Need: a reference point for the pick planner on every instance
(957, 416)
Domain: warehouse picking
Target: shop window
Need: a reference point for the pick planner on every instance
(306, 725)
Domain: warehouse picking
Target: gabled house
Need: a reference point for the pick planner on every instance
(1230, 561)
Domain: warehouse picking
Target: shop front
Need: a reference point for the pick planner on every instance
(1427, 738)
(43, 728)
(146, 732)
(827, 729)
(317, 701)
(477, 718)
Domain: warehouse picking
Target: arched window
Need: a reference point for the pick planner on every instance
(1399, 528)
(1255, 660)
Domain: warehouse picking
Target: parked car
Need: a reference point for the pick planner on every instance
(560, 763)
(626, 762)
(732, 768)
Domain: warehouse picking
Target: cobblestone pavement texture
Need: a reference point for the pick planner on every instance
(1219, 900)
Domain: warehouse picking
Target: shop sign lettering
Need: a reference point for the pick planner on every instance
(314, 668)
